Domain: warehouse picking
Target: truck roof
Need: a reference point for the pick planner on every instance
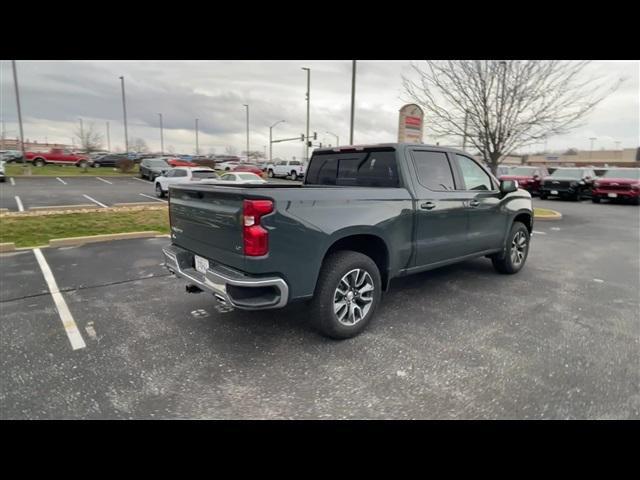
(394, 145)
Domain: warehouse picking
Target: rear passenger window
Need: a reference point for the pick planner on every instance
(433, 170)
(357, 169)
(475, 178)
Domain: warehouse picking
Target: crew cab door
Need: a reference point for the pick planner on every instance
(441, 216)
(482, 201)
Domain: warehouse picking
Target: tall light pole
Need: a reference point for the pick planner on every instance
(15, 84)
(271, 139)
(306, 145)
(593, 139)
(161, 136)
(124, 110)
(337, 138)
(197, 147)
(108, 138)
(353, 98)
(247, 129)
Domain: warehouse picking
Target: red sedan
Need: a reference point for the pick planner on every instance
(249, 168)
(176, 162)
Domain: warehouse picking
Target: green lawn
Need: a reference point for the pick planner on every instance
(29, 231)
(17, 170)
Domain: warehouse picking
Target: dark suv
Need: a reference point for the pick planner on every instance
(570, 183)
(153, 167)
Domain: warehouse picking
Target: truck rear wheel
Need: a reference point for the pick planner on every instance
(294, 175)
(347, 294)
(38, 162)
(515, 255)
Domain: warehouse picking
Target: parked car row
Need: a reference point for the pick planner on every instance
(10, 156)
(577, 183)
(191, 175)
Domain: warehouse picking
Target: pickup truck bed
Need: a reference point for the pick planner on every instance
(264, 246)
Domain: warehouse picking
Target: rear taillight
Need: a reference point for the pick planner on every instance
(256, 237)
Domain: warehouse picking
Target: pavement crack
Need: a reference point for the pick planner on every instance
(85, 287)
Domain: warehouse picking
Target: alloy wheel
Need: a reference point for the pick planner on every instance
(353, 297)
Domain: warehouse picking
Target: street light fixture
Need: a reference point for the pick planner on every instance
(161, 136)
(197, 147)
(271, 139)
(353, 98)
(337, 138)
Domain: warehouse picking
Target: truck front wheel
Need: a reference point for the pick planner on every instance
(517, 249)
(38, 162)
(347, 294)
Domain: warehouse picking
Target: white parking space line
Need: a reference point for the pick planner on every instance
(153, 198)
(105, 181)
(94, 201)
(139, 179)
(19, 202)
(61, 180)
(70, 327)
(13, 182)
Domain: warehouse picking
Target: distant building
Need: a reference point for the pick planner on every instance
(31, 146)
(598, 158)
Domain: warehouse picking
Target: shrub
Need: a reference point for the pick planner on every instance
(124, 164)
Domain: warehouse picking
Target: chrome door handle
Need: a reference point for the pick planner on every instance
(428, 206)
(474, 203)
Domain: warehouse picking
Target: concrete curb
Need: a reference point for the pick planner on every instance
(74, 241)
(63, 207)
(7, 247)
(545, 218)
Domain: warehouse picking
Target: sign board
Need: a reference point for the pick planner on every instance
(411, 123)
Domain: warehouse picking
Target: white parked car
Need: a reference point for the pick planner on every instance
(182, 175)
(227, 165)
(241, 178)
(286, 168)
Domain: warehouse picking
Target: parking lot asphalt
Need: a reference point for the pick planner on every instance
(63, 191)
(559, 340)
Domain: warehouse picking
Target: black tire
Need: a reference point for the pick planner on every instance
(39, 162)
(294, 176)
(504, 262)
(543, 196)
(334, 268)
(270, 173)
(159, 192)
(96, 165)
(595, 199)
(81, 164)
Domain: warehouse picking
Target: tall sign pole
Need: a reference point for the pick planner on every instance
(124, 110)
(410, 124)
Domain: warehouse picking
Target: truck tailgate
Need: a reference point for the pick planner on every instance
(207, 221)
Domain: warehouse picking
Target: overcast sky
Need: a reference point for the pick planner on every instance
(55, 94)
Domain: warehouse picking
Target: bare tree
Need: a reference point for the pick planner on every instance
(138, 145)
(231, 150)
(505, 105)
(89, 139)
(254, 154)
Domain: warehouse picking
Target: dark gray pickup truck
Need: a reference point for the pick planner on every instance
(364, 215)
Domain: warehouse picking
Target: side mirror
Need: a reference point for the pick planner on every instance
(508, 186)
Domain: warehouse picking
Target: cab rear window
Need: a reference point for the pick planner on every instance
(355, 169)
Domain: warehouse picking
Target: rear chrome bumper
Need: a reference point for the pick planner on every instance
(229, 286)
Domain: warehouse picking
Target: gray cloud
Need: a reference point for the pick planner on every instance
(55, 94)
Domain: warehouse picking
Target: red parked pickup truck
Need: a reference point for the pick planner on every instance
(57, 155)
(617, 183)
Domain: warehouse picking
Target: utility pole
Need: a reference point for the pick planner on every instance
(15, 83)
(108, 138)
(124, 110)
(306, 145)
(271, 139)
(82, 142)
(161, 136)
(247, 130)
(197, 147)
(464, 133)
(593, 139)
(353, 98)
